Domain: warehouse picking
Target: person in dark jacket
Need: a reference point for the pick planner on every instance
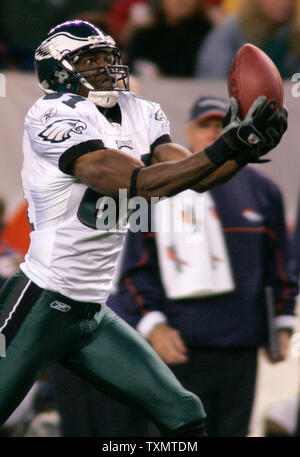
(169, 46)
(211, 343)
(272, 25)
(282, 419)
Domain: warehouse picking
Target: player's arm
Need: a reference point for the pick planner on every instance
(108, 170)
(175, 152)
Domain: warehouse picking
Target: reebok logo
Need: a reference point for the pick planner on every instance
(60, 306)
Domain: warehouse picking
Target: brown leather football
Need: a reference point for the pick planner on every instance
(251, 74)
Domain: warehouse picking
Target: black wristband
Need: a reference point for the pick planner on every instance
(219, 152)
(242, 160)
(132, 192)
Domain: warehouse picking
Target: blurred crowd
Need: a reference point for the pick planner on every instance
(177, 38)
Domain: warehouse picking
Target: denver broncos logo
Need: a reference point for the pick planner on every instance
(61, 130)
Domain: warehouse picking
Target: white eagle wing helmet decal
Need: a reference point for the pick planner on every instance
(61, 130)
(63, 43)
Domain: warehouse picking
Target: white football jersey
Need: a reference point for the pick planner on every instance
(68, 253)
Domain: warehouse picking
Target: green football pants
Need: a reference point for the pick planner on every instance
(41, 327)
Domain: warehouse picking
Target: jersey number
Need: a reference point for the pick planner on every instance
(71, 102)
(91, 207)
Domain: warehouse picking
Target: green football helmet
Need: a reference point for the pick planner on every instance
(56, 56)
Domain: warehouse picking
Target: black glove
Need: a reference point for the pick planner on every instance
(269, 131)
(248, 139)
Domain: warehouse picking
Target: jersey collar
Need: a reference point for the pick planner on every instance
(112, 114)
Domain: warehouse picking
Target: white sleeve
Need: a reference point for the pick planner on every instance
(55, 129)
(149, 321)
(159, 128)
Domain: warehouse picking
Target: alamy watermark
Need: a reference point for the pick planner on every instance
(2, 345)
(296, 87)
(168, 215)
(2, 85)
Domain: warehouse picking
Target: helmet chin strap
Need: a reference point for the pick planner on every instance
(104, 99)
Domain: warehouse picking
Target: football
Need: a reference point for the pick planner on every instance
(251, 74)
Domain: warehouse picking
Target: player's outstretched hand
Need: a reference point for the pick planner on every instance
(259, 132)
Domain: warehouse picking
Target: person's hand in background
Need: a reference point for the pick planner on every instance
(284, 338)
(168, 344)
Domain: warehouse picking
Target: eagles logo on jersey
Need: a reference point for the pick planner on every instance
(61, 130)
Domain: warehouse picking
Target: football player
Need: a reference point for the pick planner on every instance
(88, 137)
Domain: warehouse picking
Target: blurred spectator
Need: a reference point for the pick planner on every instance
(271, 25)
(215, 10)
(16, 233)
(24, 23)
(169, 46)
(210, 338)
(283, 417)
(9, 258)
(125, 16)
(230, 6)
